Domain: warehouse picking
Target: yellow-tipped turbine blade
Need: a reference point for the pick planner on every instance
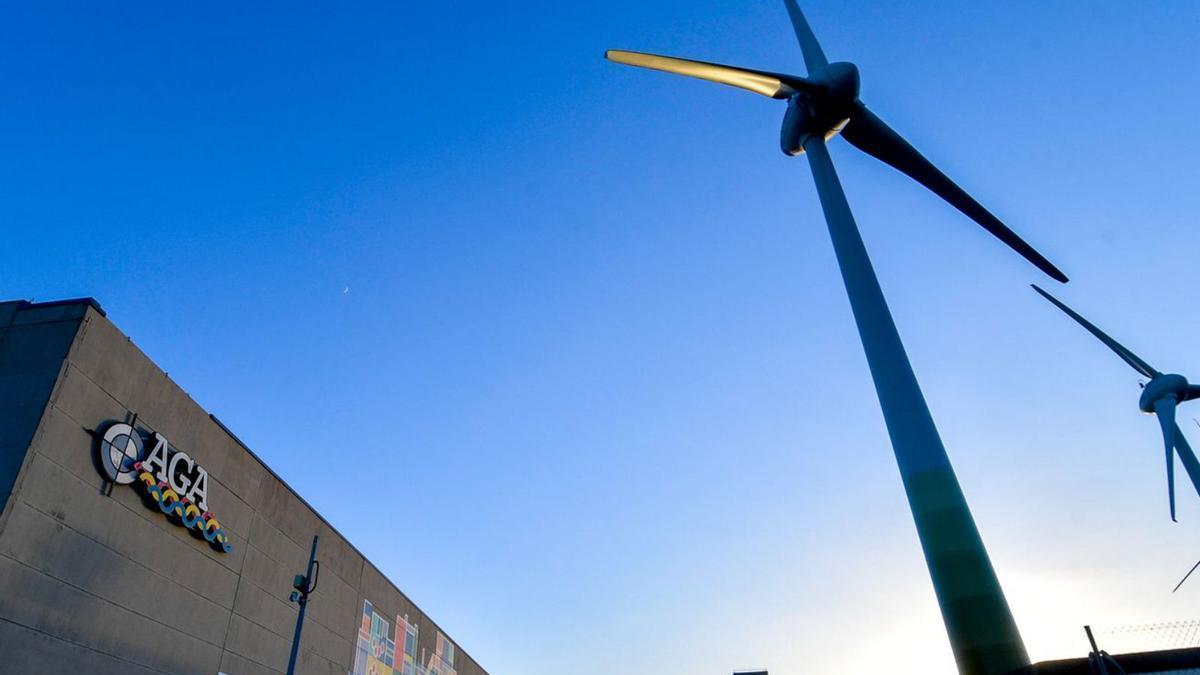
(774, 85)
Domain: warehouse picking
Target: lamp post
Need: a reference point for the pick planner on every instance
(304, 585)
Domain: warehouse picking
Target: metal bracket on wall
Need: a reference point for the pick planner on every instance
(106, 485)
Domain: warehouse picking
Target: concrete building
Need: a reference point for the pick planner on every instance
(138, 535)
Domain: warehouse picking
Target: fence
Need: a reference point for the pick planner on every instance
(1147, 637)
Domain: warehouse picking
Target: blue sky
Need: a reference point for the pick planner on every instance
(581, 324)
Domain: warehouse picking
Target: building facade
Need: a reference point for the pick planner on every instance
(138, 535)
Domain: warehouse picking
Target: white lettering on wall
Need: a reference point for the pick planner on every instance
(180, 481)
(199, 492)
(178, 470)
(156, 462)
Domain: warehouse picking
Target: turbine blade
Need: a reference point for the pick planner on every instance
(1185, 577)
(1193, 392)
(774, 85)
(814, 58)
(1164, 410)
(1188, 457)
(874, 137)
(1127, 356)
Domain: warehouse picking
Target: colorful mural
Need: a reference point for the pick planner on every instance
(380, 651)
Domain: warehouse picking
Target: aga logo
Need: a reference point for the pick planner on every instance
(120, 448)
(168, 479)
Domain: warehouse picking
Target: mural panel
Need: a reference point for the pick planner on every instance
(380, 650)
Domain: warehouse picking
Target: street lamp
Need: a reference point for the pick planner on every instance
(304, 585)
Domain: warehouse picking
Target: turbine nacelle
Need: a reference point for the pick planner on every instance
(1167, 385)
(822, 110)
(839, 84)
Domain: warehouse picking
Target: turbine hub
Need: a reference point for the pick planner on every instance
(1161, 387)
(840, 82)
(821, 112)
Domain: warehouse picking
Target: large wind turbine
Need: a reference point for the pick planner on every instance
(1159, 397)
(981, 629)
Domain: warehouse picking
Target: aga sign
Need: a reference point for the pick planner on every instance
(168, 480)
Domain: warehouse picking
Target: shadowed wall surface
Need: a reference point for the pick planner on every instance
(101, 583)
(33, 343)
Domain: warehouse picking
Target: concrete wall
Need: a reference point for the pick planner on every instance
(34, 340)
(99, 583)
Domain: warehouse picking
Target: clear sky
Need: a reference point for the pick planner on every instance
(572, 334)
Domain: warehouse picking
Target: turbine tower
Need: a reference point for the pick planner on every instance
(1159, 397)
(980, 625)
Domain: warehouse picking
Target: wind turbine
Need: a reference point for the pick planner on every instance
(980, 626)
(1159, 397)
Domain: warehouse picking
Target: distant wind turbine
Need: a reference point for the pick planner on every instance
(1159, 397)
(980, 625)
